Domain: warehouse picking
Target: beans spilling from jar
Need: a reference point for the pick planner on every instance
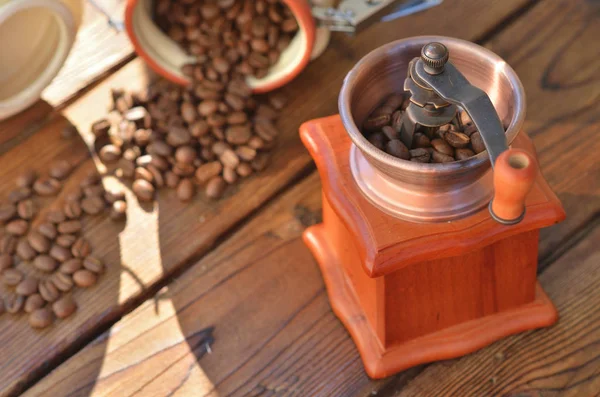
(44, 255)
(213, 132)
(455, 141)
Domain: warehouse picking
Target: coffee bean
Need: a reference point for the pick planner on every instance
(230, 175)
(55, 216)
(185, 154)
(65, 240)
(118, 210)
(245, 153)
(13, 303)
(465, 119)
(229, 159)
(81, 248)
(41, 318)
(157, 176)
(84, 278)
(100, 128)
(139, 116)
(215, 187)
(208, 107)
(112, 196)
(6, 261)
(92, 205)
(48, 291)
(110, 154)
(178, 136)
(45, 263)
(185, 190)
(19, 194)
(93, 264)
(260, 162)
(143, 190)
(265, 112)
(27, 287)
(266, 130)
(421, 140)
(38, 242)
(25, 251)
(59, 253)
(92, 178)
(457, 139)
(17, 227)
(33, 302)
(420, 155)
(438, 157)
(182, 169)
(48, 230)
(470, 130)
(390, 132)
(7, 212)
(207, 171)
(69, 227)
(396, 148)
(12, 277)
(70, 266)
(63, 282)
(376, 123)
(26, 179)
(64, 307)
(463, 154)
(47, 186)
(72, 209)
(160, 148)
(26, 209)
(477, 142)
(60, 169)
(8, 244)
(442, 146)
(171, 179)
(244, 170)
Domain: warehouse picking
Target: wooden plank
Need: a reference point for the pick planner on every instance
(97, 49)
(160, 240)
(561, 82)
(558, 361)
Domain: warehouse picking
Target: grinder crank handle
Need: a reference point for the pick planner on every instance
(514, 170)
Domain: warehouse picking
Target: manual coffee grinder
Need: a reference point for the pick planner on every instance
(425, 262)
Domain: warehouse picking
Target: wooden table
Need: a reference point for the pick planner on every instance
(219, 299)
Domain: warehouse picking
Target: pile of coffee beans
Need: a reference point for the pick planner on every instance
(43, 258)
(214, 131)
(455, 141)
(245, 36)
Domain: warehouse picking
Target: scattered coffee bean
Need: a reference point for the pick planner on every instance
(185, 190)
(100, 128)
(41, 318)
(38, 242)
(25, 251)
(48, 230)
(93, 264)
(92, 205)
(118, 210)
(8, 244)
(215, 187)
(60, 169)
(12, 277)
(47, 186)
(143, 190)
(69, 227)
(477, 142)
(26, 179)
(33, 302)
(421, 140)
(64, 307)
(441, 157)
(81, 248)
(66, 240)
(420, 155)
(70, 266)
(13, 303)
(17, 227)
(72, 209)
(7, 212)
(59, 253)
(110, 154)
(19, 194)
(463, 154)
(27, 287)
(443, 147)
(396, 148)
(45, 263)
(457, 139)
(56, 216)
(84, 278)
(63, 282)
(6, 261)
(48, 291)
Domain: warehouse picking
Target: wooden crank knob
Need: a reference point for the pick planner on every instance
(514, 173)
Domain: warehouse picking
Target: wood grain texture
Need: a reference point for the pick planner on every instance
(98, 48)
(553, 49)
(159, 240)
(558, 361)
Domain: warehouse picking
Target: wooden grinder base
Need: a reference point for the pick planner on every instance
(411, 293)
